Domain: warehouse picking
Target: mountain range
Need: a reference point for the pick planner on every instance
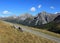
(28, 19)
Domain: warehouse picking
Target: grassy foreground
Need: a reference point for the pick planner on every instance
(10, 35)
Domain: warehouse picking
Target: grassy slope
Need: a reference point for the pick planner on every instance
(10, 35)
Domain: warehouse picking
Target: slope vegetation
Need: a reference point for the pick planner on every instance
(10, 35)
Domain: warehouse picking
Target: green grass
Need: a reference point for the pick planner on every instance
(10, 35)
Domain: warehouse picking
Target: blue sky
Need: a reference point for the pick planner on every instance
(17, 7)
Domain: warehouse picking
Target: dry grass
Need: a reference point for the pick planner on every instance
(10, 35)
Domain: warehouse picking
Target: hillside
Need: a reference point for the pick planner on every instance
(10, 35)
(53, 26)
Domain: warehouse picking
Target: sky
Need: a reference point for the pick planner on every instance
(18, 7)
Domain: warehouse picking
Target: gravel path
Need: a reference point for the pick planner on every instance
(42, 35)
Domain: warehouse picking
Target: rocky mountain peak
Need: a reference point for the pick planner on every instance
(24, 16)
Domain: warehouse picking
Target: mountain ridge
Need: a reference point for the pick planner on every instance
(28, 19)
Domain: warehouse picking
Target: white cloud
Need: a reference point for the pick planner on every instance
(33, 9)
(56, 12)
(39, 6)
(52, 7)
(6, 12)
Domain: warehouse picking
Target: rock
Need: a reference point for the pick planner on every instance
(17, 27)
